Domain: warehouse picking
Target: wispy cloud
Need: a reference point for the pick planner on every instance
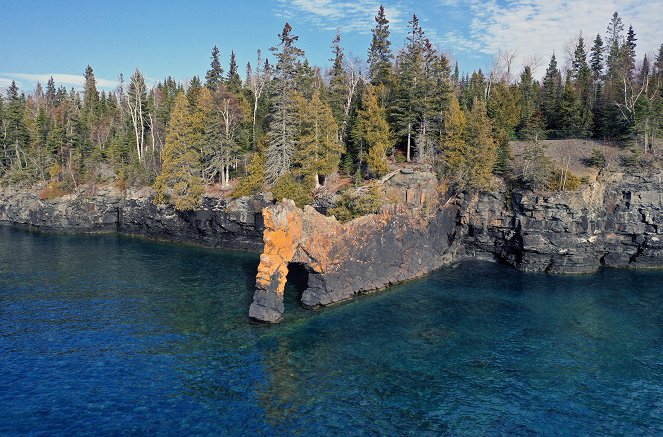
(355, 16)
(539, 27)
(74, 80)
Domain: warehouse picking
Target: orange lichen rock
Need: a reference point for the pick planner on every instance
(408, 239)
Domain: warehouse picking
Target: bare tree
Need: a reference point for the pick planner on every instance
(500, 70)
(135, 100)
(256, 81)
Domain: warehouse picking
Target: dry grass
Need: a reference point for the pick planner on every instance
(575, 152)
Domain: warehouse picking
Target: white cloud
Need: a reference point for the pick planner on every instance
(539, 27)
(67, 80)
(349, 16)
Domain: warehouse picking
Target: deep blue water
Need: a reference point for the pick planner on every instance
(111, 335)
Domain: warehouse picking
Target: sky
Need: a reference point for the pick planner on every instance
(39, 39)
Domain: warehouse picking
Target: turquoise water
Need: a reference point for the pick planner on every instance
(111, 335)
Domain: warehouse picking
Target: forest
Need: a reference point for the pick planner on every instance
(290, 127)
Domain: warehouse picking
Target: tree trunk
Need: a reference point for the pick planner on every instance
(409, 139)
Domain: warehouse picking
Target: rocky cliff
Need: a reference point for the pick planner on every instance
(616, 222)
(234, 224)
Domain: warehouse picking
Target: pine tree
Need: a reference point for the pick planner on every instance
(372, 133)
(214, 76)
(320, 149)
(179, 182)
(380, 56)
(282, 141)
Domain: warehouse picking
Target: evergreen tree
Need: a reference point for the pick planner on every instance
(320, 149)
(338, 79)
(50, 93)
(214, 76)
(454, 148)
(409, 98)
(596, 59)
(372, 134)
(380, 56)
(179, 182)
(282, 141)
(481, 155)
(15, 131)
(528, 98)
(551, 95)
(629, 53)
(90, 93)
(582, 76)
(234, 82)
(570, 113)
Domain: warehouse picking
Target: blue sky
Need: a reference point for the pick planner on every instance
(59, 38)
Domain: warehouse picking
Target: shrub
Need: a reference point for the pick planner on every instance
(596, 159)
(355, 203)
(287, 187)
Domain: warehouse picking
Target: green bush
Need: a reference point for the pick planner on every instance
(287, 187)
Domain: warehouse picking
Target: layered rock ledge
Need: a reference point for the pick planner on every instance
(233, 224)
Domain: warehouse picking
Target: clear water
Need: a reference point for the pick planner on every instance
(111, 335)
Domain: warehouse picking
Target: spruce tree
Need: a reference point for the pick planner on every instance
(282, 139)
(90, 93)
(15, 131)
(551, 92)
(234, 82)
(409, 95)
(180, 183)
(528, 98)
(338, 89)
(629, 53)
(380, 56)
(50, 93)
(596, 59)
(214, 76)
(582, 76)
(570, 113)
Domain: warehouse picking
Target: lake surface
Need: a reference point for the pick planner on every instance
(110, 335)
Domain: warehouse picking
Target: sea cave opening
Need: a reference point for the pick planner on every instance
(296, 283)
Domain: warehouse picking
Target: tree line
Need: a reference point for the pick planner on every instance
(287, 125)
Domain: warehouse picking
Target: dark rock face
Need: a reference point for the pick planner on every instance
(411, 237)
(233, 224)
(617, 222)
